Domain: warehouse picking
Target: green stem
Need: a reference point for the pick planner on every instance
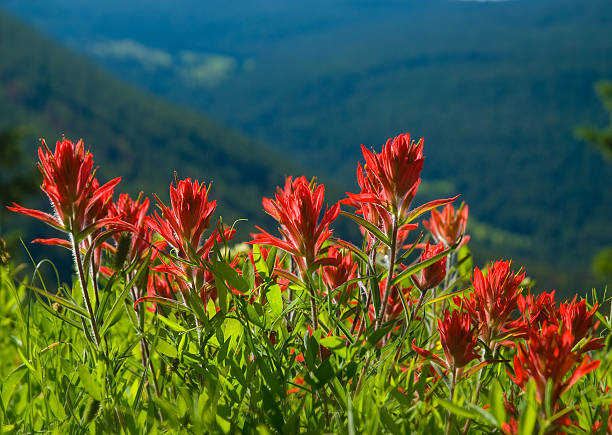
(451, 395)
(79, 263)
(392, 258)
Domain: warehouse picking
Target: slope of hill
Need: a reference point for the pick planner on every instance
(495, 88)
(53, 92)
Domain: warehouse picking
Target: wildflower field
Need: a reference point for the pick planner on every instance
(172, 325)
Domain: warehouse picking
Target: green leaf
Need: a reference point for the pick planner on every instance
(233, 329)
(324, 373)
(548, 398)
(9, 386)
(497, 403)
(222, 293)
(377, 233)
(387, 420)
(275, 299)
(166, 348)
(422, 265)
(465, 261)
(332, 342)
(484, 414)
(89, 384)
(253, 316)
(114, 311)
(63, 302)
(163, 301)
(248, 274)
(427, 207)
(260, 264)
(374, 337)
(529, 416)
(227, 273)
(171, 323)
(271, 260)
(457, 410)
(354, 249)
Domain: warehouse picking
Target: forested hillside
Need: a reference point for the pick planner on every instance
(50, 92)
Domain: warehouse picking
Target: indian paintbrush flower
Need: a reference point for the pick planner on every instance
(447, 226)
(458, 338)
(493, 299)
(433, 274)
(548, 357)
(189, 214)
(393, 174)
(297, 208)
(133, 212)
(76, 196)
(341, 270)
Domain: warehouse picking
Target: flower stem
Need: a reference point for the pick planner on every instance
(79, 263)
(449, 420)
(392, 259)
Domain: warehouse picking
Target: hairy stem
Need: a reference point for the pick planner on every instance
(79, 263)
(392, 259)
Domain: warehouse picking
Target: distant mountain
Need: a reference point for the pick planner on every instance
(52, 92)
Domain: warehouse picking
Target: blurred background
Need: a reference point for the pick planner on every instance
(241, 93)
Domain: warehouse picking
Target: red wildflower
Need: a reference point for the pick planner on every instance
(133, 212)
(536, 311)
(182, 224)
(458, 338)
(549, 356)
(510, 427)
(448, 226)
(371, 211)
(434, 274)
(341, 270)
(493, 299)
(297, 207)
(394, 174)
(577, 319)
(573, 316)
(76, 196)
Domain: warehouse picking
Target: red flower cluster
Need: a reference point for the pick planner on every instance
(77, 198)
(393, 176)
(182, 224)
(434, 274)
(458, 338)
(133, 212)
(448, 226)
(493, 300)
(297, 207)
(548, 356)
(342, 268)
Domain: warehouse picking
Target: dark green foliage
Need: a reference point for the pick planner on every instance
(601, 138)
(17, 178)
